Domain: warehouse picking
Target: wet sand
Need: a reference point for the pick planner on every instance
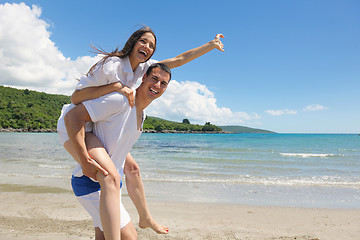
(26, 215)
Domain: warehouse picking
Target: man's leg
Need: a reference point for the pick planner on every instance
(99, 235)
(136, 192)
(128, 232)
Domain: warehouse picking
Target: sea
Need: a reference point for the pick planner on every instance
(292, 170)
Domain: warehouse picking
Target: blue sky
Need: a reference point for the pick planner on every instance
(288, 66)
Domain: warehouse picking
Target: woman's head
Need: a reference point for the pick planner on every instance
(131, 44)
(134, 39)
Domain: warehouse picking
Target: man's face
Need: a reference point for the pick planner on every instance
(155, 84)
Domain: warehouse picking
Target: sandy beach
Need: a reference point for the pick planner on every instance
(26, 215)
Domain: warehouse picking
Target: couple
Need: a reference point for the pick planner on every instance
(118, 116)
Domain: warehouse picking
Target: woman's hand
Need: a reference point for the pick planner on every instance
(218, 44)
(194, 53)
(127, 92)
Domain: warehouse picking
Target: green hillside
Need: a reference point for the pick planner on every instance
(241, 129)
(27, 110)
(162, 125)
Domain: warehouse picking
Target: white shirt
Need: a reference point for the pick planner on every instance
(115, 124)
(114, 69)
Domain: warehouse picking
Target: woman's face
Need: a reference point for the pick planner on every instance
(144, 48)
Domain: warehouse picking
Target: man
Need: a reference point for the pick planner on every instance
(118, 126)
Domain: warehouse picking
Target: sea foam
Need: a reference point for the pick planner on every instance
(307, 155)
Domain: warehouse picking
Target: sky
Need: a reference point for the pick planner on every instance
(288, 66)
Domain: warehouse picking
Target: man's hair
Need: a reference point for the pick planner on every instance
(161, 66)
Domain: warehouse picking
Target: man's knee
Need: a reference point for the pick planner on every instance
(99, 235)
(131, 167)
(129, 232)
(129, 236)
(130, 170)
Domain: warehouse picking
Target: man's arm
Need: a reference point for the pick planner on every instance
(75, 121)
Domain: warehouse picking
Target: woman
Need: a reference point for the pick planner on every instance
(119, 71)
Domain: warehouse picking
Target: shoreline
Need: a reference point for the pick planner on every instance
(48, 130)
(23, 130)
(59, 216)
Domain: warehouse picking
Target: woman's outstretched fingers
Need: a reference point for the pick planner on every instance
(219, 44)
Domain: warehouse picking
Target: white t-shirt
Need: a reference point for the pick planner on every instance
(115, 124)
(114, 69)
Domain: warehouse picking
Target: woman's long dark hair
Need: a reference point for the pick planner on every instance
(126, 51)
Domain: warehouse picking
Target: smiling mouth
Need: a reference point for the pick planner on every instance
(153, 91)
(143, 53)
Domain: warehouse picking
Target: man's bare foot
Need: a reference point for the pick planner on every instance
(150, 223)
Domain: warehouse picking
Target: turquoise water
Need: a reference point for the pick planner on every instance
(310, 170)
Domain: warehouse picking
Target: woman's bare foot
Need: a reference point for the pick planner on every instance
(150, 223)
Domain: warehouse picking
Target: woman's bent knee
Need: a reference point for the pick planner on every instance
(110, 181)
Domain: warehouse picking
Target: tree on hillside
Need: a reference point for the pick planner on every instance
(185, 121)
(208, 127)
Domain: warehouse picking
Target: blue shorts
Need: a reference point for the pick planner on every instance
(84, 185)
(88, 194)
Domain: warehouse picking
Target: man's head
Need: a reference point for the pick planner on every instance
(155, 81)
(161, 66)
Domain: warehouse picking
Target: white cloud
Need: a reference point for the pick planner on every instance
(197, 103)
(314, 107)
(281, 112)
(29, 59)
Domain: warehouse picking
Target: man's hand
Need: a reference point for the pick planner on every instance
(91, 167)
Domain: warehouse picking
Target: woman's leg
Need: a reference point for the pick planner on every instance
(135, 188)
(110, 186)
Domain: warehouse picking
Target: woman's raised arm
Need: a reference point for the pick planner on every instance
(195, 53)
